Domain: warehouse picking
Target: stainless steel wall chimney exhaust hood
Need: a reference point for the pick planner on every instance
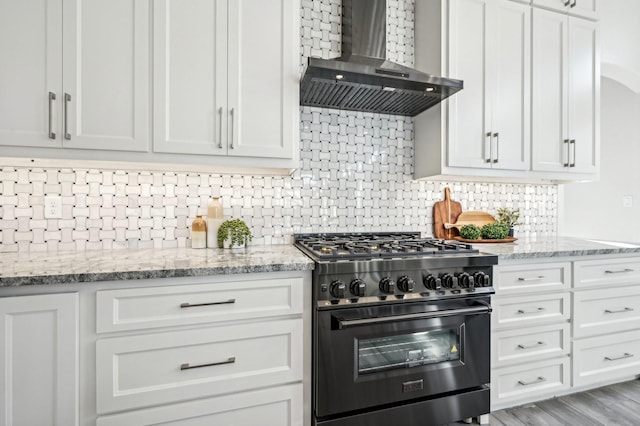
(362, 79)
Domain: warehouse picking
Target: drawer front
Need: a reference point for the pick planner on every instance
(605, 311)
(278, 406)
(530, 278)
(150, 307)
(527, 311)
(529, 344)
(599, 359)
(144, 370)
(607, 272)
(529, 382)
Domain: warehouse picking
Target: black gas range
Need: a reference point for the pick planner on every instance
(401, 329)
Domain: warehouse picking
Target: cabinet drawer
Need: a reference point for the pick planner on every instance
(144, 308)
(606, 272)
(144, 370)
(529, 382)
(535, 277)
(603, 358)
(278, 406)
(606, 311)
(530, 310)
(529, 344)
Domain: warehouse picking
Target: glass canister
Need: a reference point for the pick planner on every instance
(215, 217)
(199, 233)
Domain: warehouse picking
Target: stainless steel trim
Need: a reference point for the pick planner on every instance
(231, 112)
(619, 271)
(534, 345)
(615, 358)
(192, 305)
(539, 277)
(534, 311)
(618, 311)
(566, 141)
(572, 142)
(67, 99)
(487, 148)
(187, 366)
(52, 97)
(220, 128)
(540, 379)
(497, 136)
(478, 310)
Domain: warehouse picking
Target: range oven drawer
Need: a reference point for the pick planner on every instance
(381, 355)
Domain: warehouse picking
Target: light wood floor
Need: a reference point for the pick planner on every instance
(617, 404)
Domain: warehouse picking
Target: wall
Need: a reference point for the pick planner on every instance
(355, 175)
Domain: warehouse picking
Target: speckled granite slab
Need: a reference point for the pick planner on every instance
(556, 247)
(70, 267)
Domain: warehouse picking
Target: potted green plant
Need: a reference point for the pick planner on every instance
(508, 217)
(234, 233)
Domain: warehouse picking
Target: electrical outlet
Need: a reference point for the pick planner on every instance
(52, 207)
(627, 201)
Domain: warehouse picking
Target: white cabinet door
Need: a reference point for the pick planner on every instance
(31, 52)
(106, 75)
(190, 76)
(557, 5)
(263, 73)
(584, 8)
(39, 359)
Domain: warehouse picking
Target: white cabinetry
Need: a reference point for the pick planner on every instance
(565, 94)
(225, 78)
(39, 359)
(75, 75)
(583, 8)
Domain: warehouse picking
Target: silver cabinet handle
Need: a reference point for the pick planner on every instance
(566, 141)
(52, 97)
(572, 143)
(615, 358)
(193, 305)
(539, 277)
(574, 3)
(619, 271)
(497, 136)
(187, 366)
(567, 3)
(533, 311)
(540, 379)
(67, 99)
(220, 128)
(487, 148)
(534, 345)
(231, 112)
(617, 311)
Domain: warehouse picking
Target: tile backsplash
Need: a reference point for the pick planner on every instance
(355, 174)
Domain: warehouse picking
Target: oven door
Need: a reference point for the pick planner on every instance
(381, 355)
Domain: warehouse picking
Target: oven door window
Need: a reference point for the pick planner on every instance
(408, 350)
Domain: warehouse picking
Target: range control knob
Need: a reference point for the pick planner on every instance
(357, 287)
(432, 283)
(406, 284)
(336, 289)
(449, 281)
(466, 281)
(482, 279)
(387, 285)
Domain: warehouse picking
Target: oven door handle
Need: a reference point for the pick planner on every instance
(476, 310)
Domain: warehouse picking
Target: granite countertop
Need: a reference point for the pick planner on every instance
(96, 265)
(556, 247)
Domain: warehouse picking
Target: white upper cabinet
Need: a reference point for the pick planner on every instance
(582, 8)
(226, 77)
(74, 74)
(565, 94)
(489, 119)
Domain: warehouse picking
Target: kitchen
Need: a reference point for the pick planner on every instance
(355, 172)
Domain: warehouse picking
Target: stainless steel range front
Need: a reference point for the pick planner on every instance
(401, 329)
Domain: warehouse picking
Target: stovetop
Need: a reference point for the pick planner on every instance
(376, 245)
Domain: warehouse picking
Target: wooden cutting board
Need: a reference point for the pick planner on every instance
(446, 211)
(477, 218)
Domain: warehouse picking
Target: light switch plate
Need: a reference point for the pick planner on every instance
(52, 207)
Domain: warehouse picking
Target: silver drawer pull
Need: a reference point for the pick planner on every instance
(229, 360)
(539, 277)
(619, 271)
(534, 345)
(533, 311)
(192, 305)
(617, 311)
(67, 99)
(540, 379)
(615, 358)
(52, 97)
